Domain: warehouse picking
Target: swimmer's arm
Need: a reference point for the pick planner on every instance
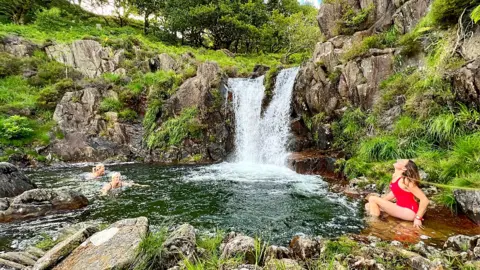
(105, 189)
(418, 193)
(389, 196)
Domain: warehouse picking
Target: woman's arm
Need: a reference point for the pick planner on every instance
(389, 196)
(422, 208)
(105, 189)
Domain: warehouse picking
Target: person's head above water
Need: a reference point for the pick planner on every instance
(99, 170)
(409, 170)
(116, 178)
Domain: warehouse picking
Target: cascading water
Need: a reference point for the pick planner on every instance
(262, 139)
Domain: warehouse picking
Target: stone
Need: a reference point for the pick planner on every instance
(63, 249)
(260, 70)
(18, 257)
(5, 264)
(471, 45)
(461, 242)
(416, 261)
(312, 162)
(276, 252)
(305, 248)
(38, 202)
(12, 182)
(86, 56)
(409, 14)
(35, 251)
(469, 201)
(466, 83)
(179, 245)
(112, 248)
(285, 264)
(17, 46)
(163, 62)
(238, 244)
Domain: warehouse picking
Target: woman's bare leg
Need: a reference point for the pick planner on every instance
(377, 203)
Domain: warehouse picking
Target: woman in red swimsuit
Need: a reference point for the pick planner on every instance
(404, 188)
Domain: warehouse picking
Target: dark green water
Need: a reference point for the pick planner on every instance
(270, 201)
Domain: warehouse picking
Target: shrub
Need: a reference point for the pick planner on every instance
(49, 96)
(9, 65)
(465, 157)
(475, 15)
(110, 105)
(444, 128)
(175, 130)
(444, 12)
(52, 20)
(127, 115)
(16, 127)
(380, 41)
(112, 77)
(50, 72)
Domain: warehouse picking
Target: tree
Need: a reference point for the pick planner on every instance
(16, 10)
(122, 10)
(146, 8)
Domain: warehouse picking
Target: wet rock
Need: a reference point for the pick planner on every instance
(276, 252)
(17, 46)
(5, 264)
(12, 183)
(260, 70)
(469, 201)
(112, 248)
(285, 264)
(87, 56)
(238, 244)
(360, 186)
(305, 248)
(35, 251)
(311, 162)
(179, 245)
(461, 242)
(466, 85)
(38, 202)
(63, 249)
(18, 257)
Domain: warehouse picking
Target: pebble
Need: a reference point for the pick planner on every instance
(424, 237)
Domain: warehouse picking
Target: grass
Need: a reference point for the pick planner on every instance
(46, 243)
(150, 251)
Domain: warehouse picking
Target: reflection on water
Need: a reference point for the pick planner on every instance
(266, 200)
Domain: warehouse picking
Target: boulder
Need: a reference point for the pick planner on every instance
(469, 201)
(63, 249)
(461, 242)
(86, 56)
(163, 62)
(409, 14)
(179, 245)
(6, 264)
(38, 202)
(22, 258)
(112, 248)
(17, 46)
(471, 45)
(312, 162)
(305, 248)
(466, 83)
(238, 244)
(12, 182)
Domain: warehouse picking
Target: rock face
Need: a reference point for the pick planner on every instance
(312, 163)
(304, 248)
(12, 181)
(469, 202)
(17, 46)
(38, 202)
(87, 56)
(89, 135)
(409, 14)
(112, 248)
(466, 83)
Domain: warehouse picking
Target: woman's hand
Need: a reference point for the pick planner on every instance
(417, 223)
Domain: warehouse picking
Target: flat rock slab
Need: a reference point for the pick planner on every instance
(63, 249)
(12, 181)
(112, 248)
(18, 257)
(6, 264)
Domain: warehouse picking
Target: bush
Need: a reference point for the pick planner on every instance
(444, 128)
(444, 12)
(110, 105)
(465, 157)
(52, 20)
(9, 65)
(49, 96)
(127, 115)
(50, 72)
(16, 127)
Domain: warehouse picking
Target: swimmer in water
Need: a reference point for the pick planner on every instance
(98, 171)
(118, 183)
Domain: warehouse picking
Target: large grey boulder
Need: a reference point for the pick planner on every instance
(471, 44)
(179, 245)
(86, 56)
(112, 248)
(409, 14)
(38, 202)
(17, 46)
(238, 244)
(304, 248)
(12, 181)
(469, 201)
(63, 249)
(163, 62)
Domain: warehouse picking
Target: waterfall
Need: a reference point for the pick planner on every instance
(262, 139)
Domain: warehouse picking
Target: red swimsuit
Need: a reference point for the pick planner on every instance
(404, 198)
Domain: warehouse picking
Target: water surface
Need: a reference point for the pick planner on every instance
(270, 201)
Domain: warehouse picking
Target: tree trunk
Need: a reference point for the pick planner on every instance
(146, 23)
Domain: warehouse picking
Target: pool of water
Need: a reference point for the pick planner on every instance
(269, 201)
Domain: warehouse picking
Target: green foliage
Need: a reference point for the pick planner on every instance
(465, 157)
(446, 198)
(343, 245)
(110, 105)
(444, 128)
(50, 72)
(349, 129)
(9, 65)
(353, 20)
(15, 127)
(150, 251)
(112, 78)
(47, 243)
(52, 19)
(16, 95)
(475, 15)
(176, 129)
(382, 40)
(444, 12)
(49, 96)
(383, 148)
(127, 115)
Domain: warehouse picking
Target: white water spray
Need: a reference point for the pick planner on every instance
(262, 139)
